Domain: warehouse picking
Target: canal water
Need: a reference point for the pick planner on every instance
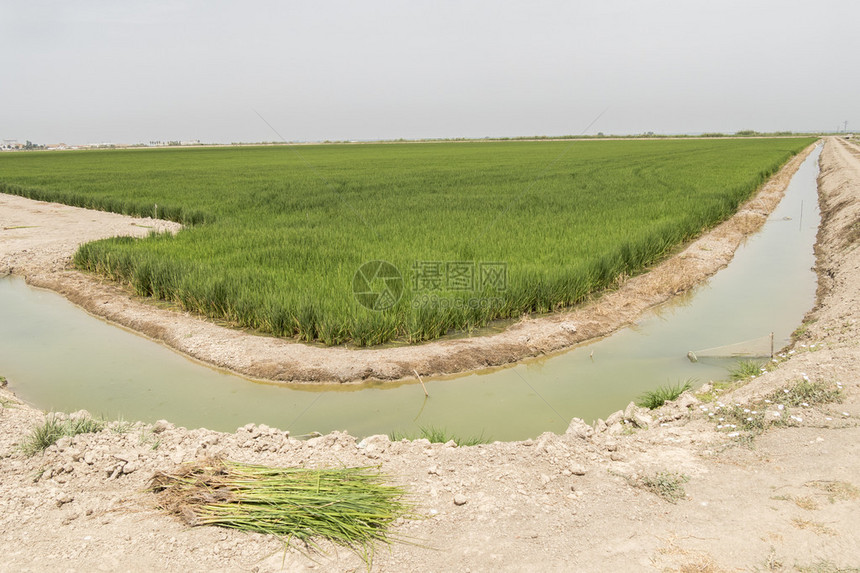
(58, 357)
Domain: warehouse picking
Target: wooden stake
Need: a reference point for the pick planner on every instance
(422, 383)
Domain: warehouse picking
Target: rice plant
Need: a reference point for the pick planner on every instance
(275, 246)
(656, 398)
(348, 506)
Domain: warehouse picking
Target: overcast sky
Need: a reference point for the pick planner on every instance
(108, 71)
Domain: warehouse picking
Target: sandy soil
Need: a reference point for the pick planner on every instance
(785, 500)
(38, 240)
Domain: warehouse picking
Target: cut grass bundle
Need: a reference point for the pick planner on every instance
(656, 398)
(53, 428)
(348, 506)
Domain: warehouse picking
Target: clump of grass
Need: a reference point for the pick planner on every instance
(806, 393)
(668, 485)
(437, 435)
(46, 434)
(745, 369)
(824, 566)
(841, 490)
(656, 398)
(348, 506)
(815, 526)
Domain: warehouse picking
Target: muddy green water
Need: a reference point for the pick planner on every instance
(57, 357)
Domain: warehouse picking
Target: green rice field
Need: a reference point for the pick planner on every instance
(372, 243)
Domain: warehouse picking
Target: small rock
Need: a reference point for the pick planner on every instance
(611, 445)
(568, 327)
(631, 410)
(545, 479)
(616, 457)
(616, 429)
(80, 415)
(64, 498)
(126, 456)
(63, 443)
(89, 458)
(130, 467)
(614, 418)
(579, 428)
(577, 469)
(460, 499)
(433, 471)
(600, 426)
(686, 400)
(161, 426)
(641, 420)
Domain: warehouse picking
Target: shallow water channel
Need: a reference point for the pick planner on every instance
(58, 357)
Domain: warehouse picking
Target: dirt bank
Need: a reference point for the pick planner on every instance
(41, 244)
(786, 499)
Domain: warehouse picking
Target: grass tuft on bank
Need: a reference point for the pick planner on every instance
(437, 435)
(46, 434)
(655, 398)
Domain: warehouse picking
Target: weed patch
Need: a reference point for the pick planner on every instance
(836, 490)
(815, 526)
(668, 485)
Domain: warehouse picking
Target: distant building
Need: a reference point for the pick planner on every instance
(10, 144)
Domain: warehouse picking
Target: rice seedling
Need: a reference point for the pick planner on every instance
(491, 230)
(46, 434)
(656, 398)
(352, 507)
(439, 436)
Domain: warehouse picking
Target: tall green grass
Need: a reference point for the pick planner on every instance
(275, 244)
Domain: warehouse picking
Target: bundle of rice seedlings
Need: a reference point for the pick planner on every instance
(348, 506)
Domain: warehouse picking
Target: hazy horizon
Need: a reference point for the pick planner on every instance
(98, 71)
